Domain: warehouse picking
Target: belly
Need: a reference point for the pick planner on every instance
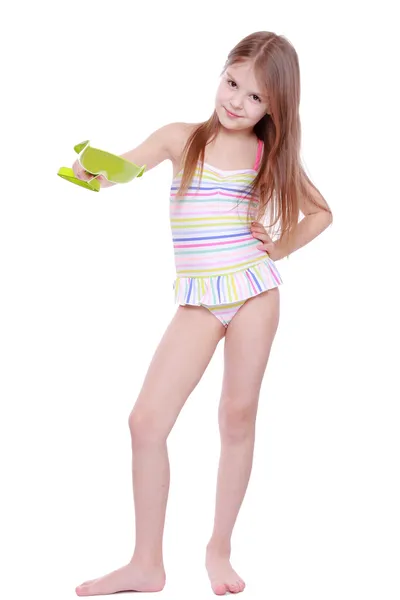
(212, 238)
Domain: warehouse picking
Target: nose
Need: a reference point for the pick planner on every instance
(236, 102)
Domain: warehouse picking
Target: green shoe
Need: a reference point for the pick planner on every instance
(97, 162)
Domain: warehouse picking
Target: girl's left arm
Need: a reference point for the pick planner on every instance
(315, 221)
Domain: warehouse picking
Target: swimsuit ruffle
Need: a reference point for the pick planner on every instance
(228, 288)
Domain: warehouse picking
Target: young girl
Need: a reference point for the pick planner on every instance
(229, 174)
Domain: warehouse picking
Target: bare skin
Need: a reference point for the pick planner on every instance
(177, 366)
(182, 365)
(248, 342)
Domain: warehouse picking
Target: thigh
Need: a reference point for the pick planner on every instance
(248, 343)
(177, 366)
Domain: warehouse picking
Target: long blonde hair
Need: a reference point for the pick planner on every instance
(281, 178)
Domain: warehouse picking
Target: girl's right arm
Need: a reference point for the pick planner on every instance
(164, 143)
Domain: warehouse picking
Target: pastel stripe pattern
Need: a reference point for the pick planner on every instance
(217, 260)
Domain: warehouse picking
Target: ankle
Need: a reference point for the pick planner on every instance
(218, 546)
(148, 562)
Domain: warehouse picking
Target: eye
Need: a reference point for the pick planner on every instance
(256, 98)
(231, 83)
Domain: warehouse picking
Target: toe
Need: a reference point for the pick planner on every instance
(242, 585)
(234, 587)
(219, 589)
(86, 589)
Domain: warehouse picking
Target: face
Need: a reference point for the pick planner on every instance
(241, 101)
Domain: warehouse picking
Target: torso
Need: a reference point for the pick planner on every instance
(216, 256)
(211, 224)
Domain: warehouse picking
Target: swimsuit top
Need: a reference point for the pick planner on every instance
(211, 231)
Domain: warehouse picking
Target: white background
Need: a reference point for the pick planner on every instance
(86, 294)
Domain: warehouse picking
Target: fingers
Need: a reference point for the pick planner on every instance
(259, 232)
(263, 237)
(80, 172)
(258, 227)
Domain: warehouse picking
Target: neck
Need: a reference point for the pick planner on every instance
(231, 134)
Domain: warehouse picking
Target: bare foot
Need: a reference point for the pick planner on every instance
(222, 577)
(130, 578)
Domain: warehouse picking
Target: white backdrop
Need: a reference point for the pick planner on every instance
(320, 519)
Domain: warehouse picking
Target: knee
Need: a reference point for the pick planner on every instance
(144, 427)
(237, 419)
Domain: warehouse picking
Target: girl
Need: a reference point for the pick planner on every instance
(229, 173)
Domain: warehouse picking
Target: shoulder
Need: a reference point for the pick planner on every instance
(164, 143)
(175, 135)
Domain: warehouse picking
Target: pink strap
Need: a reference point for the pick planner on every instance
(259, 154)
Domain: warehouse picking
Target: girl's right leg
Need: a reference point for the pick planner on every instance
(176, 368)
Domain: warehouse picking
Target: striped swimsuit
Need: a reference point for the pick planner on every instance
(218, 264)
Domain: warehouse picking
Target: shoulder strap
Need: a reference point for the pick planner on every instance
(259, 154)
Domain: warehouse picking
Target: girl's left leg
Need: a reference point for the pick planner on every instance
(248, 342)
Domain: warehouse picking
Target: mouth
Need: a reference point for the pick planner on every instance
(232, 115)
